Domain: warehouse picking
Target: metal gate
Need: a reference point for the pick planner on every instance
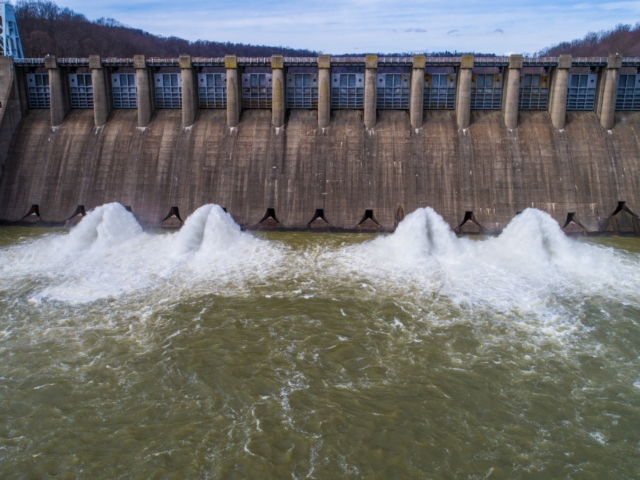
(212, 90)
(38, 88)
(628, 95)
(393, 91)
(125, 90)
(486, 92)
(256, 90)
(439, 91)
(347, 90)
(81, 89)
(302, 90)
(582, 91)
(534, 92)
(168, 90)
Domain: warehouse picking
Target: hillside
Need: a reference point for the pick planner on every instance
(623, 39)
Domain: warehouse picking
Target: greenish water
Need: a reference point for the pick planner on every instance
(212, 353)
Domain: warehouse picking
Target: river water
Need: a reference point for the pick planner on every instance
(215, 353)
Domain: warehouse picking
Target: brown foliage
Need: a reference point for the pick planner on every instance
(623, 39)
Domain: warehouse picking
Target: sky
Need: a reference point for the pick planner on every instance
(371, 26)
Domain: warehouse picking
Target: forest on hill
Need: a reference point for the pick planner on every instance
(623, 39)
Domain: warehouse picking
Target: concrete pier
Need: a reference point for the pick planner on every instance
(189, 91)
(512, 95)
(59, 91)
(559, 86)
(101, 97)
(463, 95)
(607, 102)
(324, 91)
(146, 101)
(416, 105)
(234, 91)
(278, 94)
(370, 90)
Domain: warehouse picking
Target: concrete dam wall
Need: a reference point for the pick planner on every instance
(344, 176)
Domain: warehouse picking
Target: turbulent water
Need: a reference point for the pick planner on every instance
(215, 353)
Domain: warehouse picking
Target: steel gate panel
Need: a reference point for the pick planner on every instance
(486, 92)
(534, 92)
(302, 90)
(628, 94)
(38, 88)
(212, 90)
(581, 94)
(81, 89)
(393, 91)
(257, 90)
(125, 90)
(439, 91)
(347, 91)
(168, 90)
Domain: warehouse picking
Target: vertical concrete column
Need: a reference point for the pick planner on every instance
(101, 101)
(512, 95)
(559, 87)
(370, 90)
(59, 97)
(416, 105)
(463, 95)
(146, 103)
(609, 91)
(190, 102)
(278, 94)
(324, 90)
(234, 92)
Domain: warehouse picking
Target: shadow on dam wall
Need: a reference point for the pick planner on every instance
(351, 179)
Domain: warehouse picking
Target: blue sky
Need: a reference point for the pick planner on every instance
(361, 26)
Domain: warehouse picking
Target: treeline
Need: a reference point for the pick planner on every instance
(623, 39)
(45, 28)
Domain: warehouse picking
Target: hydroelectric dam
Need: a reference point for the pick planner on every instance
(336, 143)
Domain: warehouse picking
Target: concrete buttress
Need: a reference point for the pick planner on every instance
(463, 103)
(278, 95)
(324, 91)
(416, 105)
(559, 86)
(189, 91)
(101, 100)
(370, 90)
(512, 96)
(146, 103)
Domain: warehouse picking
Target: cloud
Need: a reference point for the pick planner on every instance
(498, 30)
(454, 33)
(415, 30)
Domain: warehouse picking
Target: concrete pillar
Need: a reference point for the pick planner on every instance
(607, 104)
(370, 90)
(234, 91)
(58, 88)
(559, 87)
(101, 100)
(278, 94)
(146, 101)
(463, 95)
(190, 102)
(512, 95)
(416, 105)
(324, 91)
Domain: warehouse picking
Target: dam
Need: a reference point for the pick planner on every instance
(326, 143)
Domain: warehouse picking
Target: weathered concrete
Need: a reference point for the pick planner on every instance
(189, 91)
(559, 85)
(278, 103)
(417, 91)
(370, 91)
(10, 107)
(59, 90)
(324, 91)
(463, 94)
(146, 100)
(512, 95)
(101, 98)
(607, 101)
(234, 91)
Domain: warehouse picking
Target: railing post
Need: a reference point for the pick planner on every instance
(146, 102)
(101, 101)
(278, 93)
(234, 92)
(189, 91)
(59, 91)
(607, 102)
(324, 91)
(512, 95)
(416, 106)
(559, 88)
(370, 90)
(463, 97)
